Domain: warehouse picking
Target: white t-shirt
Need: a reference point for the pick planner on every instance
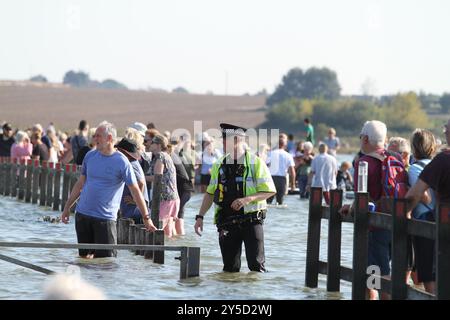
(279, 162)
(324, 167)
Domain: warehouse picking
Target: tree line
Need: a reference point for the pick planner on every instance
(315, 94)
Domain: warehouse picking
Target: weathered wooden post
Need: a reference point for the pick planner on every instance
(14, 169)
(137, 237)
(334, 242)
(7, 190)
(29, 180)
(43, 183)
(50, 182)
(313, 242)
(443, 252)
(148, 254)
(2, 176)
(36, 177)
(142, 231)
(399, 247)
(360, 245)
(21, 192)
(189, 262)
(131, 234)
(158, 239)
(57, 189)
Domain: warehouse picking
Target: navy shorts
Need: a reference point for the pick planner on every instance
(380, 250)
(95, 230)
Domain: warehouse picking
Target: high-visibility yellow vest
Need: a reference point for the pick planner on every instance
(257, 179)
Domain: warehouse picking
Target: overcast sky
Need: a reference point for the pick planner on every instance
(230, 46)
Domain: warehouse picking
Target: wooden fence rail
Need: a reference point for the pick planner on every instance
(395, 221)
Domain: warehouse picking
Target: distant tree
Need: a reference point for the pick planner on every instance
(405, 113)
(180, 90)
(76, 79)
(312, 84)
(429, 101)
(112, 84)
(445, 102)
(38, 78)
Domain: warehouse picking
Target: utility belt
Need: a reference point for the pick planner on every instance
(240, 219)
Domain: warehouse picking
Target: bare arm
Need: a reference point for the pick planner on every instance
(416, 193)
(72, 198)
(206, 204)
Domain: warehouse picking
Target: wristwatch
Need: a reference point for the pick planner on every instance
(198, 216)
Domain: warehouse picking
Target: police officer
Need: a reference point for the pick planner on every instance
(240, 184)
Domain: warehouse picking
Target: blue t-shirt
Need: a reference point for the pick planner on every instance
(413, 175)
(131, 210)
(105, 180)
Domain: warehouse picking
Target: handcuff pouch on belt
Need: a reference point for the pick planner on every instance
(238, 220)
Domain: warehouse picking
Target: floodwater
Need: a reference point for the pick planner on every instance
(132, 277)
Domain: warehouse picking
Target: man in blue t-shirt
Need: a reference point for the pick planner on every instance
(105, 171)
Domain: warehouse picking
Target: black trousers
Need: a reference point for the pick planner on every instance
(280, 185)
(94, 230)
(230, 241)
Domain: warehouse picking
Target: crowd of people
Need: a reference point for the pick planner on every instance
(125, 170)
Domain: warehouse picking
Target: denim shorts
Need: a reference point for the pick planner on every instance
(380, 250)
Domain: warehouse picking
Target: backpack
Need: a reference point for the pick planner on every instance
(394, 177)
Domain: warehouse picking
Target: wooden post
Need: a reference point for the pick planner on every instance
(57, 189)
(66, 184)
(2, 176)
(43, 184)
(156, 199)
(126, 229)
(399, 250)
(131, 234)
(29, 181)
(148, 254)
(334, 242)
(21, 193)
(36, 177)
(158, 256)
(443, 252)
(137, 237)
(360, 246)
(189, 262)
(7, 189)
(119, 230)
(14, 168)
(50, 182)
(142, 231)
(313, 242)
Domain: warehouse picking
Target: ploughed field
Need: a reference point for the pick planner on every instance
(65, 107)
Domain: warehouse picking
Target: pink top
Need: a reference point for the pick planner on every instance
(21, 151)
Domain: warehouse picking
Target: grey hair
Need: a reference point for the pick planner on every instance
(109, 129)
(402, 143)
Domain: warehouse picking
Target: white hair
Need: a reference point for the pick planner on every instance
(375, 131)
(308, 146)
(20, 135)
(109, 129)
